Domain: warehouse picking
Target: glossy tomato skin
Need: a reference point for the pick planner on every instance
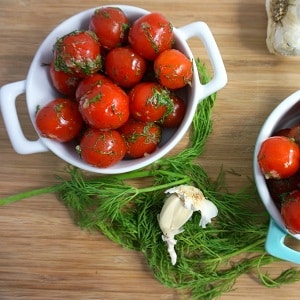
(105, 106)
(175, 117)
(279, 157)
(151, 34)
(141, 138)
(86, 84)
(173, 69)
(111, 27)
(64, 83)
(78, 53)
(125, 66)
(60, 120)
(102, 148)
(149, 102)
(290, 211)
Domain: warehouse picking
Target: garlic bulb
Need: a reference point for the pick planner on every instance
(283, 31)
(178, 209)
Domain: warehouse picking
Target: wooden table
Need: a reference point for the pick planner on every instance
(43, 255)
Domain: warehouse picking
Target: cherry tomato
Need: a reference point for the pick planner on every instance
(295, 133)
(141, 137)
(151, 34)
(175, 117)
(173, 69)
(111, 26)
(278, 188)
(88, 83)
(102, 148)
(60, 120)
(105, 106)
(64, 83)
(78, 53)
(290, 211)
(279, 157)
(283, 132)
(125, 66)
(149, 102)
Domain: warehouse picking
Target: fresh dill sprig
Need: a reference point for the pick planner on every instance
(209, 260)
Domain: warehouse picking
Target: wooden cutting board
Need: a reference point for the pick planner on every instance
(43, 255)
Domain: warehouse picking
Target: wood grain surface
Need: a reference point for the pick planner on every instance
(43, 255)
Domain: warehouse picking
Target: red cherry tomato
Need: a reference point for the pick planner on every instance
(149, 102)
(151, 34)
(173, 69)
(279, 157)
(290, 211)
(295, 133)
(86, 84)
(175, 117)
(283, 132)
(125, 66)
(64, 83)
(60, 120)
(102, 148)
(111, 26)
(105, 106)
(78, 53)
(278, 188)
(141, 137)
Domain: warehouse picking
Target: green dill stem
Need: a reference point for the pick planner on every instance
(126, 176)
(28, 194)
(134, 175)
(164, 186)
(122, 176)
(146, 173)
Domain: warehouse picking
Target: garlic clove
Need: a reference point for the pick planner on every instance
(173, 216)
(190, 195)
(171, 220)
(194, 200)
(178, 209)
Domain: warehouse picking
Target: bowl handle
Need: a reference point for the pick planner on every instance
(8, 97)
(202, 31)
(276, 247)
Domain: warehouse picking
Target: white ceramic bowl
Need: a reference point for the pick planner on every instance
(39, 91)
(286, 114)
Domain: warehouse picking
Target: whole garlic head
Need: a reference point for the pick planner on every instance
(283, 31)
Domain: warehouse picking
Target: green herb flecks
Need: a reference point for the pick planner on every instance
(74, 63)
(125, 206)
(161, 97)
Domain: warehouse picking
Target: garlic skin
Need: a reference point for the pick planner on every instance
(194, 200)
(178, 209)
(283, 30)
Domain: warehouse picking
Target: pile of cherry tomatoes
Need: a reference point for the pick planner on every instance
(279, 161)
(118, 83)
